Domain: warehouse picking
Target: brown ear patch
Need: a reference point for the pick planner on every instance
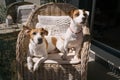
(71, 13)
(74, 13)
(27, 30)
(45, 32)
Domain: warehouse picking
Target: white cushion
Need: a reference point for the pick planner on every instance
(56, 58)
(53, 20)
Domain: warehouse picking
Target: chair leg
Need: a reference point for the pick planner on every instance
(84, 60)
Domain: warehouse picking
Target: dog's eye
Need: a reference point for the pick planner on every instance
(41, 33)
(77, 14)
(85, 14)
(34, 33)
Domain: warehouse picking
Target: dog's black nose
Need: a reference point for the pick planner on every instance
(83, 19)
(40, 40)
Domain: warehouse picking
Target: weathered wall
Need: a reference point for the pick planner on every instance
(34, 1)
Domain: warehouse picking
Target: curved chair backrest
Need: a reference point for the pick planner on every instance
(50, 9)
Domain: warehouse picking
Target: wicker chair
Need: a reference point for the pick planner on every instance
(52, 71)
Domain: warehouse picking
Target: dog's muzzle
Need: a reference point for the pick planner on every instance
(40, 40)
(83, 20)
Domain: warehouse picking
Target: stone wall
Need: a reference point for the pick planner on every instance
(33, 1)
(8, 56)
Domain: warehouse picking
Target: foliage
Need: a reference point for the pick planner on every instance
(3, 13)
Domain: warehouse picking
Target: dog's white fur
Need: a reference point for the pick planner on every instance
(74, 35)
(39, 47)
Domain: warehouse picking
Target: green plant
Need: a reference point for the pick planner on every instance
(3, 13)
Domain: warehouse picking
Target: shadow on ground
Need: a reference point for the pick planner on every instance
(97, 71)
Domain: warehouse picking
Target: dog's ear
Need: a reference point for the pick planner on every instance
(71, 13)
(44, 31)
(27, 29)
(87, 12)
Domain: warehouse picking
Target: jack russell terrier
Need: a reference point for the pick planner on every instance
(39, 47)
(74, 35)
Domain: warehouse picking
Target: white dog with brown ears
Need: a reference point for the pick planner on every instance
(39, 47)
(74, 35)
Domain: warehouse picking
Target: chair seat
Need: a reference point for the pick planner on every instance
(56, 58)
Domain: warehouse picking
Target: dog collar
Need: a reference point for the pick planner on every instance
(75, 32)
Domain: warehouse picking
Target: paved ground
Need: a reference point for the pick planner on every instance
(97, 71)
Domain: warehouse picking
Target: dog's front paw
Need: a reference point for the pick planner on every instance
(75, 58)
(64, 57)
(30, 67)
(36, 66)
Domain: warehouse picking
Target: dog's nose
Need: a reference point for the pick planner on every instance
(83, 19)
(40, 40)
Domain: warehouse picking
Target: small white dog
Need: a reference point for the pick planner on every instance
(74, 35)
(39, 47)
